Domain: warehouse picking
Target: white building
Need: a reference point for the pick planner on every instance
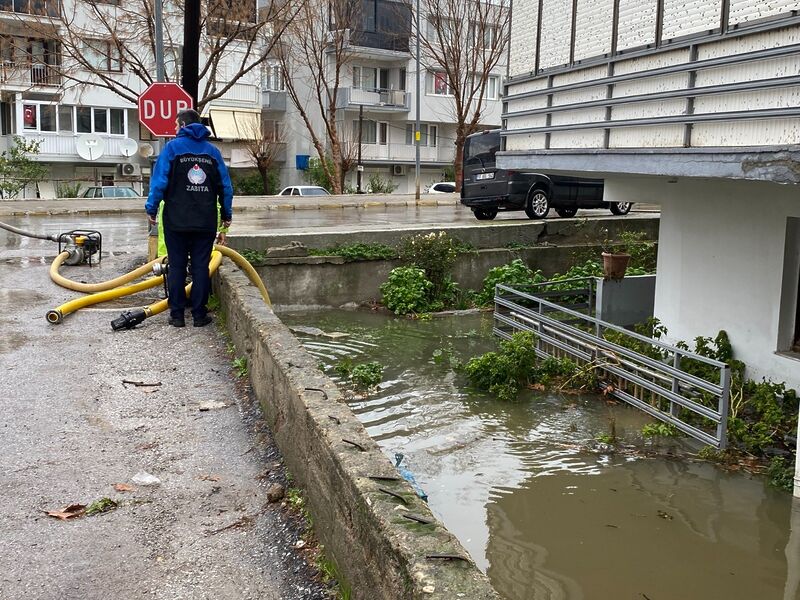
(47, 96)
(379, 78)
(694, 104)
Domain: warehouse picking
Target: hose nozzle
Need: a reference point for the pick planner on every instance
(129, 319)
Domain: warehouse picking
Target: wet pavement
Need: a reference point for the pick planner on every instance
(71, 429)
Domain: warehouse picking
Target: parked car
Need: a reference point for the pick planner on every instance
(110, 191)
(441, 187)
(304, 190)
(486, 189)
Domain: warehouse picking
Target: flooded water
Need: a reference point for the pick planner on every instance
(539, 505)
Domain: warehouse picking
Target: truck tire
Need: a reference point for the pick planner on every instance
(484, 214)
(620, 208)
(567, 212)
(538, 204)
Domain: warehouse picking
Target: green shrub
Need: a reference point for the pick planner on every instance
(659, 430)
(250, 183)
(514, 273)
(780, 473)
(316, 172)
(505, 372)
(353, 252)
(407, 291)
(366, 375)
(68, 189)
(435, 254)
(379, 185)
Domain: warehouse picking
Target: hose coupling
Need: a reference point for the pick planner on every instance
(54, 316)
(160, 268)
(129, 319)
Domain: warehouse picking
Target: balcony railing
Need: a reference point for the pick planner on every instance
(407, 152)
(377, 99)
(272, 100)
(28, 76)
(63, 144)
(396, 42)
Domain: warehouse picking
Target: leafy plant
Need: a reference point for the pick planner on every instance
(358, 251)
(378, 185)
(366, 375)
(240, 366)
(18, 169)
(67, 189)
(780, 473)
(316, 173)
(407, 290)
(435, 254)
(659, 430)
(250, 183)
(516, 273)
(100, 506)
(505, 372)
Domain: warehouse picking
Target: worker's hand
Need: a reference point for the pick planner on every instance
(151, 220)
(220, 238)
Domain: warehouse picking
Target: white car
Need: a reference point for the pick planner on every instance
(442, 187)
(304, 190)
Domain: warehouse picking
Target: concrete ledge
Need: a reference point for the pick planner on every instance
(380, 554)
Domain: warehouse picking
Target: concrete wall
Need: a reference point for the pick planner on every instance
(381, 554)
(724, 263)
(627, 301)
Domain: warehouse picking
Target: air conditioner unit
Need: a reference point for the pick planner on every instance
(129, 169)
(398, 170)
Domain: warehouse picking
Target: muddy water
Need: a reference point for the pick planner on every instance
(546, 511)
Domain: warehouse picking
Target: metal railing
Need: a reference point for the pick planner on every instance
(652, 380)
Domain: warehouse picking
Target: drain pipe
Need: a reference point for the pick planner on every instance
(18, 231)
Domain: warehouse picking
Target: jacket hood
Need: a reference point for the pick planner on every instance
(196, 131)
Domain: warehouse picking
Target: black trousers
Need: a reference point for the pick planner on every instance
(181, 245)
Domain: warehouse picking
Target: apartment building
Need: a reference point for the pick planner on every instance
(377, 95)
(75, 93)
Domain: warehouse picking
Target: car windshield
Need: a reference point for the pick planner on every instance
(315, 192)
(481, 148)
(126, 192)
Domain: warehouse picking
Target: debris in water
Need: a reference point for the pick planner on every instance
(664, 515)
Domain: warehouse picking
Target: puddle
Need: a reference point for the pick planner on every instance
(17, 296)
(544, 515)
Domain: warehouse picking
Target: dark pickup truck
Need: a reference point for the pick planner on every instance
(487, 189)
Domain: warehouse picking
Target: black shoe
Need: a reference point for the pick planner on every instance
(177, 322)
(202, 321)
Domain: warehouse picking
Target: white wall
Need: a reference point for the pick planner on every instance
(721, 264)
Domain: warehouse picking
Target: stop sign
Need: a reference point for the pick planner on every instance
(159, 106)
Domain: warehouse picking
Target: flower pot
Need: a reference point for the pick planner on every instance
(614, 265)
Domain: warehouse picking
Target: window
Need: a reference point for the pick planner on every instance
(47, 117)
(5, 118)
(30, 117)
(438, 84)
(789, 307)
(368, 131)
(117, 119)
(428, 134)
(483, 35)
(83, 119)
(100, 120)
(48, 8)
(273, 78)
(434, 132)
(365, 78)
(65, 118)
(493, 87)
(383, 133)
(368, 12)
(101, 55)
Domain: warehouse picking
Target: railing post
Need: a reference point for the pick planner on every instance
(676, 362)
(724, 406)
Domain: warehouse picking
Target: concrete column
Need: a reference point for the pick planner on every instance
(797, 466)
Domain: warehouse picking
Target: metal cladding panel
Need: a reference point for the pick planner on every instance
(580, 75)
(593, 25)
(527, 86)
(750, 71)
(775, 98)
(772, 132)
(526, 122)
(669, 136)
(522, 54)
(580, 95)
(684, 17)
(648, 110)
(577, 139)
(556, 33)
(653, 61)
(651, 85)
(637, 23)
(530, 141)
(750, 43)
(743, 11)
(587, 115)
(527, 103)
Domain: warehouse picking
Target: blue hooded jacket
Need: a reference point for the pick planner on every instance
(192, 180)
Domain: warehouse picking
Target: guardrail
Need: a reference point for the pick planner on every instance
(654, 382)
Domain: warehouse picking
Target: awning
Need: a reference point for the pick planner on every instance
(236, 124)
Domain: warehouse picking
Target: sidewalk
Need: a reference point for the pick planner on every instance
(72, 429)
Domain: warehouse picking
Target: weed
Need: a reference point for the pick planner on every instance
(367, 375)
(354, 252)
(503, 373)
(780, 473)
(408, 291)
(240, 366)
(213, 303)
(100, 506)
(435, 254)
(254, 257)
(659, 430)
(516, 273)
(230, 348)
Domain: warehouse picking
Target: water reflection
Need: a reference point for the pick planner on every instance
(544, 515)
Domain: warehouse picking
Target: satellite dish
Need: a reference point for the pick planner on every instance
(146, 150)
(128, 147)
(90, 146)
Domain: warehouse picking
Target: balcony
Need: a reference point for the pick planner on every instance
(393, 42)
(376, 100)
(20, 77)
(273, 101)
(61, 146)
(406, 153)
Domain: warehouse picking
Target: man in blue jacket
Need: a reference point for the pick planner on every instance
(192, 180)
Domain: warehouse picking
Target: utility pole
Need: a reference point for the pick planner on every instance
(159, 33)
(359, 167)
(191, 49)
(416, 126)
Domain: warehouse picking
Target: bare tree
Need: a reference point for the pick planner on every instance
(313, 54)
(461, 43)
(264, 146)
(112, 46)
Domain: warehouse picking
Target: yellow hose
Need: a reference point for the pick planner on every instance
(96, 287)
(57, 314)
(251, 273)
(161, 305)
